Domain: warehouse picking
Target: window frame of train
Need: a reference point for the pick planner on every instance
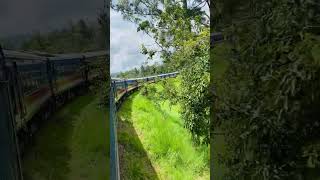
(32, 76)
(67, 67)
(15, 88)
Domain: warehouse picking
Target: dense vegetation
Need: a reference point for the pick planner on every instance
(153, 141)
(181, 31)
(145, 70)
(268, 100)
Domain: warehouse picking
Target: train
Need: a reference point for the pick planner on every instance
(39, 82)
(120, 89)
(32, 86)
(123, 86)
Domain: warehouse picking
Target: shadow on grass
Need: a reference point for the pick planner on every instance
(49, 154)
(133, 158)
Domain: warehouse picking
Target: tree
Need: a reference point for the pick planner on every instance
(167, 22)
(142, 70)
(181, 31)
(267, 99)
(104, 23)
(136, 72)
(84, 30)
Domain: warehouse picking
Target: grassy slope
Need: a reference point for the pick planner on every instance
(73, 145)
(155, 145)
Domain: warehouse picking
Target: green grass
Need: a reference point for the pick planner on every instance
(73, 145)
(155, 145)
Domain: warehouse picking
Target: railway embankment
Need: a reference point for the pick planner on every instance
(153, 144)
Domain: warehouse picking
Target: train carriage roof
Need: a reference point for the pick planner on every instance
(73, 56)
(59, 57)
(33, 57)
(95, 54)
(21, 56)
(143, 78)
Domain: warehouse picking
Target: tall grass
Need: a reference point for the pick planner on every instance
(167, 143)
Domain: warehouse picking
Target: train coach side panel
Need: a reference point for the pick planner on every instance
(68, 74)
(35, 87)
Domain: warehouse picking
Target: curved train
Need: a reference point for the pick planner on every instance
(39, 82)
(120, 89)
(123, 86)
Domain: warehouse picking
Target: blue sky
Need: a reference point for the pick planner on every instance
(125, 44)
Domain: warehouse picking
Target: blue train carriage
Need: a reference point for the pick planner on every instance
(131, 83)
(166, 75)
(113, 86)
(120, 87)
(37, 79)
(10, 166)
(69, 72)
(38, 82)
(29, 84)
(151, 78)
(34, 81)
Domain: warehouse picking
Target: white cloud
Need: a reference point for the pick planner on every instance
(125, 43)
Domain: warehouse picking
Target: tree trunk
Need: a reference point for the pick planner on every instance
(185, 5)
(185, 8)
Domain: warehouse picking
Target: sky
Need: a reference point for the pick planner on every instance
(27, 16)
(125, 43)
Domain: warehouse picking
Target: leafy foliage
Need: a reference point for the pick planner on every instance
(145, 70)
(194, 89)
(169, 22)
(180, 30)
(268, 100)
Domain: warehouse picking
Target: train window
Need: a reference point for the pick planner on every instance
(33, 76)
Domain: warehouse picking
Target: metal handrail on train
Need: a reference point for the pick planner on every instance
(115, 105)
